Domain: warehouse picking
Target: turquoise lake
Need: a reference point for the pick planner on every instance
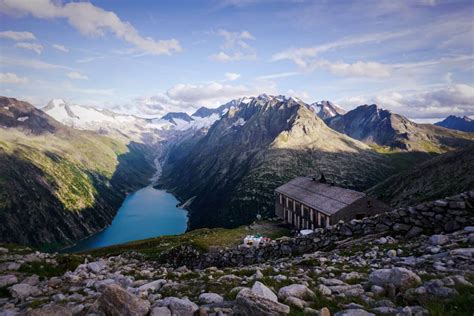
(145, 213)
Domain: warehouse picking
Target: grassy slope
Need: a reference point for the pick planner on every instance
(444, 175)
(203, 239)
(59, 187)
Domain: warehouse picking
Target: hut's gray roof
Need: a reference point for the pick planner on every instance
(323, 197)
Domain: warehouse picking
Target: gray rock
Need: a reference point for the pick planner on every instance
(160, 311)
(296, 302)
(210, 298)
(261, 290)
(377, 290)
(401, 278)
(248, 303)
(296, 290)
(96, 266)
(463, 252)
(178, 306)
(6, 280)
(348, 290)
(258, 275)
(436, 240)
(414, 231)
(354, 312)
(3, 250)
(115, 301)
(50, 310)
(22, 291)
(324, 290)
(152, 286)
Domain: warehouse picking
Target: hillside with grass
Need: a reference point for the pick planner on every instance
(59, 185)
(436, 178)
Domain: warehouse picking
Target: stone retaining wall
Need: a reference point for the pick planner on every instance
(434, 217)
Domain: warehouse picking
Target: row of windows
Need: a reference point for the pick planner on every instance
(301, 215)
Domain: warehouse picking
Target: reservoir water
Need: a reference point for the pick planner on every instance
(144, 214)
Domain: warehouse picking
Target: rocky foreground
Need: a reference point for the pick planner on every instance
(372, 275)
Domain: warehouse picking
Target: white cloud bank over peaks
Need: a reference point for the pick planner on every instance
(189, 97)
(91, 21)
(435, 102)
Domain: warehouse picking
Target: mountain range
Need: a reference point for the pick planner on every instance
(224, 162)
(230, 173)
(464, 123)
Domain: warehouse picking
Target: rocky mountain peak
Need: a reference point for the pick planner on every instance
(327, 109)
(465, 124)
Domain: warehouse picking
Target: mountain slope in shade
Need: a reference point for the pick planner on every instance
(260, 143)
(442, 176)
(377, 126)
(464, 124)
(59, 185)
(327, 109)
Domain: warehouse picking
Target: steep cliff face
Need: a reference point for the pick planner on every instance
(59, 185)
(259, 144)
(373, 125)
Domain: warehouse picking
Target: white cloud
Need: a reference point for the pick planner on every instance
(37, 48)
(357, 69)
(61, 48)
(428, 103)
(188, 97)
(6, 61)
(76, 76)
(231, 76)
(302, 56)
(91, 21)
(278, 75)
(12, 78)
(235, 47)
(17, 36)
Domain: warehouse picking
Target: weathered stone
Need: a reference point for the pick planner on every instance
(324, 290)
(96, 266)
(115, 301)
(354, 312)
(22, 291)
(436, 240)
(152, 286)
(261, 290)
(248, 303)
(6, 280)
(178, 306)
(348, 290)
(210, 298)
(296, 290)
(324, 312)
(295, 302)
(414, 231)
(401, 278)
(50, 310)
(160, 311)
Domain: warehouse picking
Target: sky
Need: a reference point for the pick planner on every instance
(413, 57)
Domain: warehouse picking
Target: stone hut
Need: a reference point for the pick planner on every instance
(309, 203)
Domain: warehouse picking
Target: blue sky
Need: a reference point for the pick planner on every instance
(150, 57)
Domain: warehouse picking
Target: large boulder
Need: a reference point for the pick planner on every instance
(261, 290)
(50, 310)
(6, 280)
(296, 290)
(210, 298)
(248, 303)
(401, 278)
(178, 306)
(115, 301)
(22, 291)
